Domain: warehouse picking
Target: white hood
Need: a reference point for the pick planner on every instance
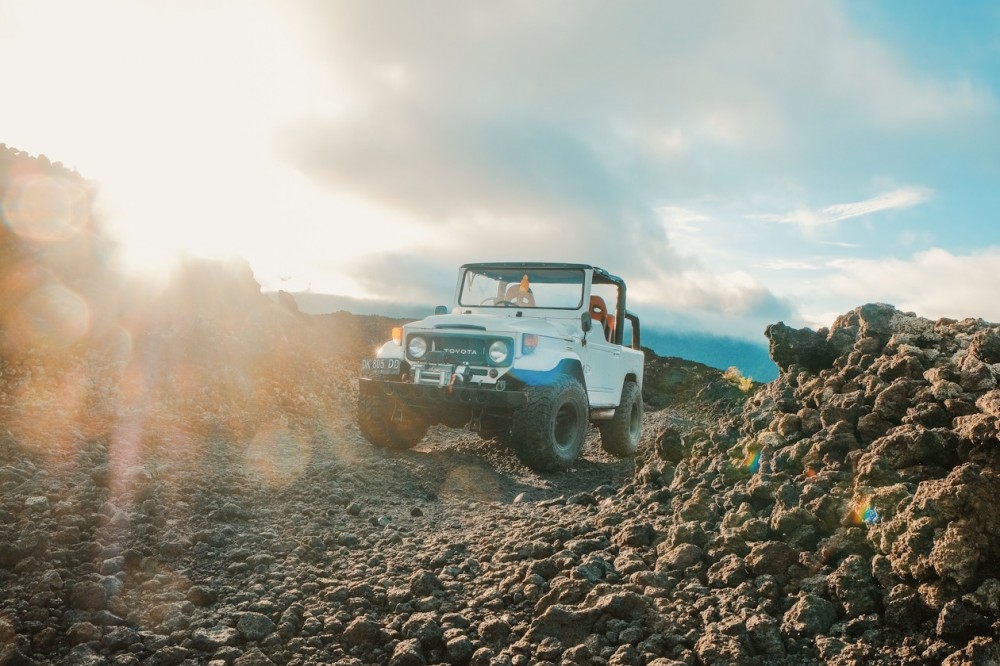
(556, 328)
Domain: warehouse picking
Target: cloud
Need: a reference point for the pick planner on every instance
(842, 244)
(934, 283)
(405, 278)
(585, 119)
(732, 304)
(904, 197)
(790, 265)
(681, 220)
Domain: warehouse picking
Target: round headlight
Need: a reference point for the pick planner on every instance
(498, 352)
(417, 347)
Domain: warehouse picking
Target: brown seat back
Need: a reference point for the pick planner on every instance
(599, 313)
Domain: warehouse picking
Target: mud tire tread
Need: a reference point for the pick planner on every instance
(549, 431)
(620, 436)
(374, 421)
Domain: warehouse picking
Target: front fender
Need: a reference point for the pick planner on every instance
(566, 365)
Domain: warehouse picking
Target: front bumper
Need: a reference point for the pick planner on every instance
(489, 397)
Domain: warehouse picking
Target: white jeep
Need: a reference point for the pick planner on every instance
(529, 353)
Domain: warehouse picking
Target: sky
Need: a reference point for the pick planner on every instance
(738, 163)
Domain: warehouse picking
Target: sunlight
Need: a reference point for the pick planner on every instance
(180, 140)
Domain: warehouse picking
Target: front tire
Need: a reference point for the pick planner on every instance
(386, 429)
(620, 436)
(548, 432)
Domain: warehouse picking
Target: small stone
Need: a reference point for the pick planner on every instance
(362, 631)
(113, 565)
(670, 446)
(200, 595)
(210, 640)
(348, 540)
(255, 626)
(424, 628)
(83, 632)
(811, 615)
(253, 657)
(424, 583)
(408, 653)
(957, 620)
(680, 558)
(38, 504)
(88, 595)
(771, 557)
(168, 655)
(459, 650)
(494, 630)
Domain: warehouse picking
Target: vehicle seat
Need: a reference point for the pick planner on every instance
(521, 298)
(599, 313)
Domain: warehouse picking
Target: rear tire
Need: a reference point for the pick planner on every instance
(548, 432)
(620, 436)
(384, 428)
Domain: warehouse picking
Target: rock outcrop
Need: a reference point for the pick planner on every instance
(877, 458)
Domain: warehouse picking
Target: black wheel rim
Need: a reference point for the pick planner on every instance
(634, 421)
(566, 428)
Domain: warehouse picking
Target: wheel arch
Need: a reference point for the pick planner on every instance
(568, 366)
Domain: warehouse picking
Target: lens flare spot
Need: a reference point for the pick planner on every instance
(863, 512)
(277, 455)
(44, 208)
(751, 462)
(51, 316)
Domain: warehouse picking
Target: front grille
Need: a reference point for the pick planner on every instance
(461, 349)
(457, 349)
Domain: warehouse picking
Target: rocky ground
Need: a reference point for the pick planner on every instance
(182, 482)
(162, 508)
(845, 513)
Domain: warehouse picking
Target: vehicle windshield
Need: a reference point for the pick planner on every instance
(558, 288)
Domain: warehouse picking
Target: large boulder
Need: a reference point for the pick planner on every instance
(799, 346)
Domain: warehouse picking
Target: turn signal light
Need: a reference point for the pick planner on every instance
(528, 343)
(397, 334)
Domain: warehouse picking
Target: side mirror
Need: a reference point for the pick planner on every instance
(441, 309)
(586, 323)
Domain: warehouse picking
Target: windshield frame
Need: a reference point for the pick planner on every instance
(570, 282)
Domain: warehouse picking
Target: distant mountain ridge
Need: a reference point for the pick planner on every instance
(721, 352)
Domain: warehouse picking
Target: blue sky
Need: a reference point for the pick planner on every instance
(738, 163)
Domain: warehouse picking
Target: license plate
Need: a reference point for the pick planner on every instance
(380, 366)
